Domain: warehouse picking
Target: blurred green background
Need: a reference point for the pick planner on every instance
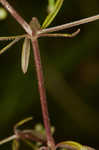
(71, 70)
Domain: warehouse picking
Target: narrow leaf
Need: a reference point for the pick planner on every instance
(73, 144)
(25, 55)
(61, 34)
(70, 145)
(15, 145)
(22, 122)
(52, 15)
(6, 38)
(9, 45)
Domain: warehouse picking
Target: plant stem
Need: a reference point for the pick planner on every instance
(37, 59)
(69, 25)
(42, 91)
(38, 64)
(17, 17)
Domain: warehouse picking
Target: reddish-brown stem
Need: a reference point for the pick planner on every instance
(42, 93)
(17, 17)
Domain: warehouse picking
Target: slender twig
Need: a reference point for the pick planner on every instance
(39, 71)
(69, 25)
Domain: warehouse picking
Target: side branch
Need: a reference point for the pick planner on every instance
(69, 25)
(17, 17)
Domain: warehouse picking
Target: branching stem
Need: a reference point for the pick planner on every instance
(37, 59)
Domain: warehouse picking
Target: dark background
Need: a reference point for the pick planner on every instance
(71, 70)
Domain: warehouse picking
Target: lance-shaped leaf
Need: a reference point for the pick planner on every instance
(22, 122)
(25, 55)
(72, 145)
(14, 38)
(9, 45)
(52, 15)
(61, 34)
(69, 145)
(7, 38)
(15, 145)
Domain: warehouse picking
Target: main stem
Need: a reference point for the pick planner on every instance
(42, 91)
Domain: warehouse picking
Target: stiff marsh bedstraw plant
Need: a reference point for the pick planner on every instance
(34, 31)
